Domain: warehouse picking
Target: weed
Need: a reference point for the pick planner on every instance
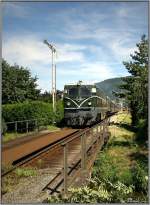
(140, 178)
(25, 172)
(52, 128)
(11, 136)
(104, 168)
(8, 182)
(6, 168)
(104, 191)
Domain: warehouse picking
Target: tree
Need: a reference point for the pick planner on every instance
(17, 84)
(136, 86)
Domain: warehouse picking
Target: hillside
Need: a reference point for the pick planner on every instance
(110, 85)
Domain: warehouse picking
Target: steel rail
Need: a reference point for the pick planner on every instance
(38, 153)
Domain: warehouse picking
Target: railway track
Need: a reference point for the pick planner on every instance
(34, 154)
(65, 167)
(94, 142)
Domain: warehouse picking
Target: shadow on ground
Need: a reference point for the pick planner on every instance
(120, 143)
(127, 127)
(140, 157)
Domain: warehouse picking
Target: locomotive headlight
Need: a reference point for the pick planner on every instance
(68, 103)
(89, 103)
(93, 90)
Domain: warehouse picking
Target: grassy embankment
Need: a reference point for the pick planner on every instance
(120, 173)
(11, 136)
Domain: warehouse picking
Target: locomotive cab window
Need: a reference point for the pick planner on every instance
(73, 92)
(85, 92)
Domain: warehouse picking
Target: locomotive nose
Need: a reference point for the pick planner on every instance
(78, 99)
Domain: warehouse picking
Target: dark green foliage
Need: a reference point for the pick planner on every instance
(142, 130)
(59, 112)
(27, 110)
(140, 177)
(136, 86)
(32, 110)
(103, 163)
(17, 84)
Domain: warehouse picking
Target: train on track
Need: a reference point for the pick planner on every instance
(86, 104)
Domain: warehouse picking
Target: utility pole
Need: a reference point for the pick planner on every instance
(53, 50)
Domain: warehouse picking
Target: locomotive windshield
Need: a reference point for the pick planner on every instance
(85, 92)
(73, 92)
(79, 92)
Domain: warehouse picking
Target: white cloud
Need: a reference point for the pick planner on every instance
(24, 50)
(44, 84)
(95, 71)
(98, 41)
(122, 52)
(70, 52)
(30, 51)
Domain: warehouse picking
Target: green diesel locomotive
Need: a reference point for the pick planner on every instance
(85, 104)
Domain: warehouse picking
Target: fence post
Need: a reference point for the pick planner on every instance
(36, 126)
(27, 126)
(15, 126)
(97, 136)
(65, 171)
(97, 132)
(83, 151)
(105, 126)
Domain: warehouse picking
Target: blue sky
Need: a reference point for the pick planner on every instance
(92, 39)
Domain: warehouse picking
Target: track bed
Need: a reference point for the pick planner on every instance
(20, 148)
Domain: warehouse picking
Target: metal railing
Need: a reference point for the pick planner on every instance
(26, 126)
(99, 133)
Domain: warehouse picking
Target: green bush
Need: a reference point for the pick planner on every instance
(26, 111)
(140, 177)
(41, 111)
(142, 130)
(104, 168)
(59, 112)
(96, 192)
